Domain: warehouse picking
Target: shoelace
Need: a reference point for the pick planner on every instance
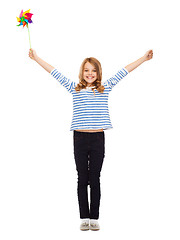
(94, 225)
(85, 224)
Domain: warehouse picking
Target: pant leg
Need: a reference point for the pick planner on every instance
(81, 160)
(97, 153)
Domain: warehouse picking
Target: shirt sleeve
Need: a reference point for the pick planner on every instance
(67, 83)
(116, 78)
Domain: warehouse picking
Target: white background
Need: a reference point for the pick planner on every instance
(140, 175)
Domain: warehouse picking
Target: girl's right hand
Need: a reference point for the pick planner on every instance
(32, 54)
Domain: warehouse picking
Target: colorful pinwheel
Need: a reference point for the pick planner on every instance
(23, 19)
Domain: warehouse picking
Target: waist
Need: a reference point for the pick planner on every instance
(89, 130)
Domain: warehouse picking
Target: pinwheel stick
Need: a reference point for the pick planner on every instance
(29, 36)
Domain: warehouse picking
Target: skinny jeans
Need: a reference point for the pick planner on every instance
(89, 152)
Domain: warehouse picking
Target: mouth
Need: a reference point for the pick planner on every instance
(89, 77)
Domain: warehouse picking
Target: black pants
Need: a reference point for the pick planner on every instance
(89, 151)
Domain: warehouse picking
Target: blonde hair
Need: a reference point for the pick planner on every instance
(97, 83)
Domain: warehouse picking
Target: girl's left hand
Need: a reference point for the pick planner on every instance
(148, 55)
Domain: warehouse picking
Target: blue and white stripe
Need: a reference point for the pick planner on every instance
(90, 111)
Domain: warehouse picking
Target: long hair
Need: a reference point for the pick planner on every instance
(97, 83)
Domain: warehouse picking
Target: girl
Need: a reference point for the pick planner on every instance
(90, 119)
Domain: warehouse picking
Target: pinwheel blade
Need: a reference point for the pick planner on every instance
(20, 16)
(29, 15)
(26, 12)
(18, 19)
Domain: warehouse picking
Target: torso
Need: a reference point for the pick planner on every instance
(90, 130)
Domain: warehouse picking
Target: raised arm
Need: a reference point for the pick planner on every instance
(42, 63)
(147, 56)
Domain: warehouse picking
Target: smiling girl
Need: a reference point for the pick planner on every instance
(90, 119)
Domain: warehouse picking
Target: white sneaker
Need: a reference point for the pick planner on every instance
(84, 226)
(94, 226)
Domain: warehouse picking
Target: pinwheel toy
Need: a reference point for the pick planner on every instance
(24, 19)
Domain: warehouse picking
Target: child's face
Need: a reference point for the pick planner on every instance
(89, 73)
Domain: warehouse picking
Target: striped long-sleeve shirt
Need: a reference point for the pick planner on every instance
(90, 111)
